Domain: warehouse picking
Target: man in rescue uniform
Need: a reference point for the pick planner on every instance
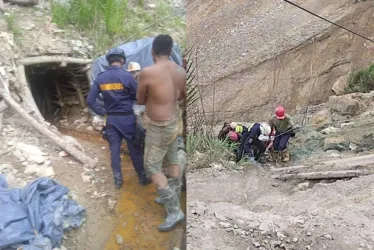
(284, 127)
(252, 138)
(118, 89)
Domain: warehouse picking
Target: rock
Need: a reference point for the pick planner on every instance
(256, 244)
(275, 184)
(217, 166)
(36, 159)
(45, 171)
(344, 105)
(303, 186)
(225, 224)
(231, 164)
(220, 217)
(111, 204)
(328, 237)
(309, 234)
(329, 130)
(31, 169)
(63, 154)
(337, 143)
(119, 239)
(339, 86)
(28, 26)
(295, 240)
(352, 146)
(90, 128)
(29, 150)
(348, 124)
(78, 43)
(86, 177)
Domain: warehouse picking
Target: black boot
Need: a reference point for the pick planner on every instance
(172, 206)
(143, 180)
(176, 185)
(118, 183)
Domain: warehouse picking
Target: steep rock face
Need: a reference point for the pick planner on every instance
(255, 55)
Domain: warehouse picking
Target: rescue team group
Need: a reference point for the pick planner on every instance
(253, 142)
(161, 88)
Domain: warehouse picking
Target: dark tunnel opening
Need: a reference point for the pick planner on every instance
(59, 91)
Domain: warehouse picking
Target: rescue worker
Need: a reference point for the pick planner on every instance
(134, 68)
(222, 135)
(238, 128)
(118, 89)
(252, 139)
(233, 137)
(285, 129)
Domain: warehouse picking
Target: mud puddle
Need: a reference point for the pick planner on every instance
(137, 215)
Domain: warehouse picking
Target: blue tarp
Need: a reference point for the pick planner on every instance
(36, 216)
(138, 51)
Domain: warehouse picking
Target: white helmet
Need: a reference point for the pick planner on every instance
(133, 66)
(233, 125)
(265, 129)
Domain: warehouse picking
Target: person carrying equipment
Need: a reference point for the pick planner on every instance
(284, 127)
(118, 89)
(252, 139)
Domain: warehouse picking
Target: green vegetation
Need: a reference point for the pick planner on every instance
(361, 80)
(203, 149)
(111, 22)
(13, 28)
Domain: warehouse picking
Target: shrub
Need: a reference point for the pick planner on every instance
(111, 22)
(361, 80)
(204, 149)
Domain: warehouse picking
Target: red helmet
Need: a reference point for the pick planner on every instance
(280, 112)
(233, 136)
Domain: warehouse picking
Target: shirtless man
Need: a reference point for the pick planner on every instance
(161, 87)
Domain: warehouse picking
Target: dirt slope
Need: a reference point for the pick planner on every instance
(256, 54)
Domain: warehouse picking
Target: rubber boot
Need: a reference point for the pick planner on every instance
(285, 156)
(176, 185)
(172, 206)
(274, 155)
(262, 159)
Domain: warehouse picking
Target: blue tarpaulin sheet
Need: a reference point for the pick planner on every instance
(137, 51)
(36, 216)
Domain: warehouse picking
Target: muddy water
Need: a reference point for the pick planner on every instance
(137, 214)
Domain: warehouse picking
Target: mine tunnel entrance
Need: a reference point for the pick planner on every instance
(59, 91)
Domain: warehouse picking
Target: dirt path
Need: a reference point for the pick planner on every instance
(130, 212)
(136, 215)
(249, 210)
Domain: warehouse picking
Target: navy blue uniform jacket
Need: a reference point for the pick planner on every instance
(118, 88)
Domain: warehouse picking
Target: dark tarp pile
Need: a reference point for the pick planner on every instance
(36, 216)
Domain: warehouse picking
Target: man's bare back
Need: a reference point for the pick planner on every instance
(165, 85)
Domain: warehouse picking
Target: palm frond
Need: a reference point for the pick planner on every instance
(192, 91)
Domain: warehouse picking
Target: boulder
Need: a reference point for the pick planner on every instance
(335, 143)
(340, 85)
(344, 105)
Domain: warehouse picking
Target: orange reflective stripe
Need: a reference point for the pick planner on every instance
(111, 86)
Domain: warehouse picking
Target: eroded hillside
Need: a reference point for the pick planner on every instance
(253, 55)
